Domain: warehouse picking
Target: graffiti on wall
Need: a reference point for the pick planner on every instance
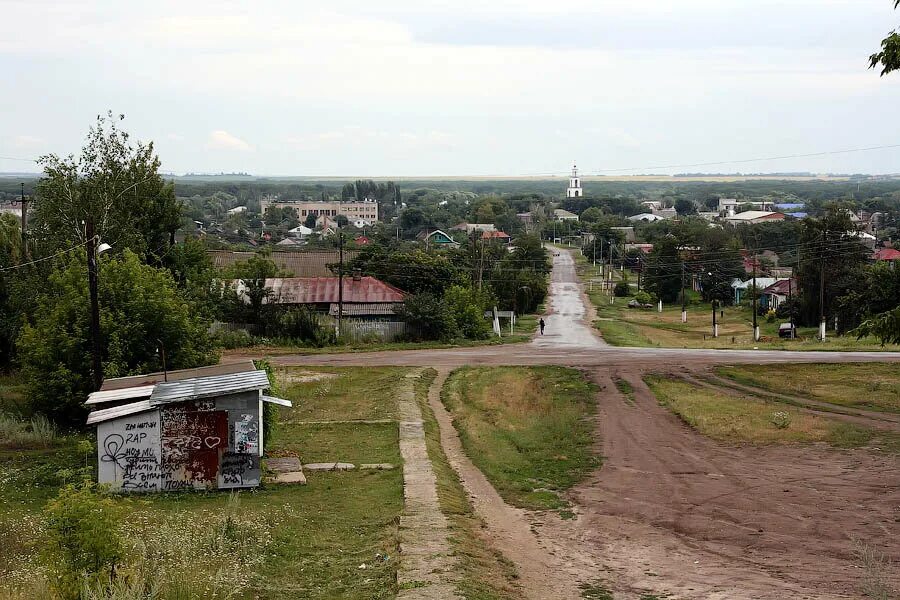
(189, 445)
(133, 455)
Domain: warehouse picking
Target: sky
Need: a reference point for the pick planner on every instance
(461, 87)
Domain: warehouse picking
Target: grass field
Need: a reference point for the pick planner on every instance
(746, 419)
(871, 386)
(526, 428)
(622, 326)
(275, 542)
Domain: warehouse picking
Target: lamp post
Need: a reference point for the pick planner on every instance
(93, 252)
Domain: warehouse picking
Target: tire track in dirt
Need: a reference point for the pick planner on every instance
(671, 511)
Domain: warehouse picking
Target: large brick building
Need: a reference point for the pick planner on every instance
(354, 211)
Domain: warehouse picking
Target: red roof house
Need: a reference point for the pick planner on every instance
(363, 296)
(886, 254)
(495, 235)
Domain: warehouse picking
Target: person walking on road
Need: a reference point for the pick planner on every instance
(542, 325)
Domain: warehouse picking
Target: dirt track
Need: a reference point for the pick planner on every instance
(673, 512)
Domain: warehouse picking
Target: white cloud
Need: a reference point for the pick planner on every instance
(221, 139)
(175, 137)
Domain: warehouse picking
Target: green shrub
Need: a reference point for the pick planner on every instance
(428, 317)
(83, 547)
(643, 297)
(467, 306)
(39, 432)
(239, 338)
(303, 324)
(621, 289)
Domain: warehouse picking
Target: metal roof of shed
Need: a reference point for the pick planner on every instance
(107, 414)
(103, 396)
(118, 383)
(206, 387)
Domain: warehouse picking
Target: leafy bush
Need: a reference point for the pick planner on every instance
(621, 289)
(781, 419)
(643, 297)
(83, 546)
(770, 316)
(239, 338)
(428, 317)
(467, 306)
(301, 323)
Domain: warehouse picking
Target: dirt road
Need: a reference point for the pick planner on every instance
(673, 512)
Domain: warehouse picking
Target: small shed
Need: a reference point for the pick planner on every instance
(189, 429)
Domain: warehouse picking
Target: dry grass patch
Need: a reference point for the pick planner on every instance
(750, 420)
(871, 386)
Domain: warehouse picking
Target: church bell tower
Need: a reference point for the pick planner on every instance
(574, 190)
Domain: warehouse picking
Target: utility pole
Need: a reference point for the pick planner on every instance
(791, 301)
(715, 325)
(822, 290)
(594, 253)
(755, 324)
(96, 364)
(340, 280)
(683, 299)
(24, 224)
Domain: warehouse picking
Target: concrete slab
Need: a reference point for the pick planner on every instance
(331, 466)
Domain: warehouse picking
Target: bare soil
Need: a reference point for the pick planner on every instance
(673, 512)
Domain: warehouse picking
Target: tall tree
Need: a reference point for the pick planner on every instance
(114, 182)
(889, 56)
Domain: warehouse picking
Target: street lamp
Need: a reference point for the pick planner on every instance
(93, 252)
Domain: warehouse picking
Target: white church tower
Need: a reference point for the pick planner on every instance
(574, 190)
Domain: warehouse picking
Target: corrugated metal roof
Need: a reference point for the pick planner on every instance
(206, 387)
(278, 401)
(324, 290)
(98, 416)
(298, 264)
(142, 391)
(364, 309)
(119, 383)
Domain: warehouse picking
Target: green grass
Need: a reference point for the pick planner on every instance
(340, 442)
(483, 573)
(751, 420)
(870, 386)
(328, 394)
(526, 428)
(293, 541)
(625, 389)
(595, 591)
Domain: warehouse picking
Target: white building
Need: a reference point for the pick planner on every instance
(574, 190)
(563, 215)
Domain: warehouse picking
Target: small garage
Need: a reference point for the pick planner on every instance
(190, 429)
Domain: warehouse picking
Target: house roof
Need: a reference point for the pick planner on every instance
(425, 235)
(494, 235)
(324, 290)
(120, 383)
(208, 387)
(562, 213)
(646, 217)
(752, 215)
(782, 287)
(886, 254)
(761, 283)
(296, 263)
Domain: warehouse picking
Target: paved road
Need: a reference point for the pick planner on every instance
(571, 340)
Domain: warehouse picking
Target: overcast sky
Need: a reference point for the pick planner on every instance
(459, 87)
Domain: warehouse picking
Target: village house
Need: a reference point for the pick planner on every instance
(752, 217)
(778, 292)
(367, 306)
(496, 236)
(436, 239)
(743, 289)
(189, 429)
(563, 215)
